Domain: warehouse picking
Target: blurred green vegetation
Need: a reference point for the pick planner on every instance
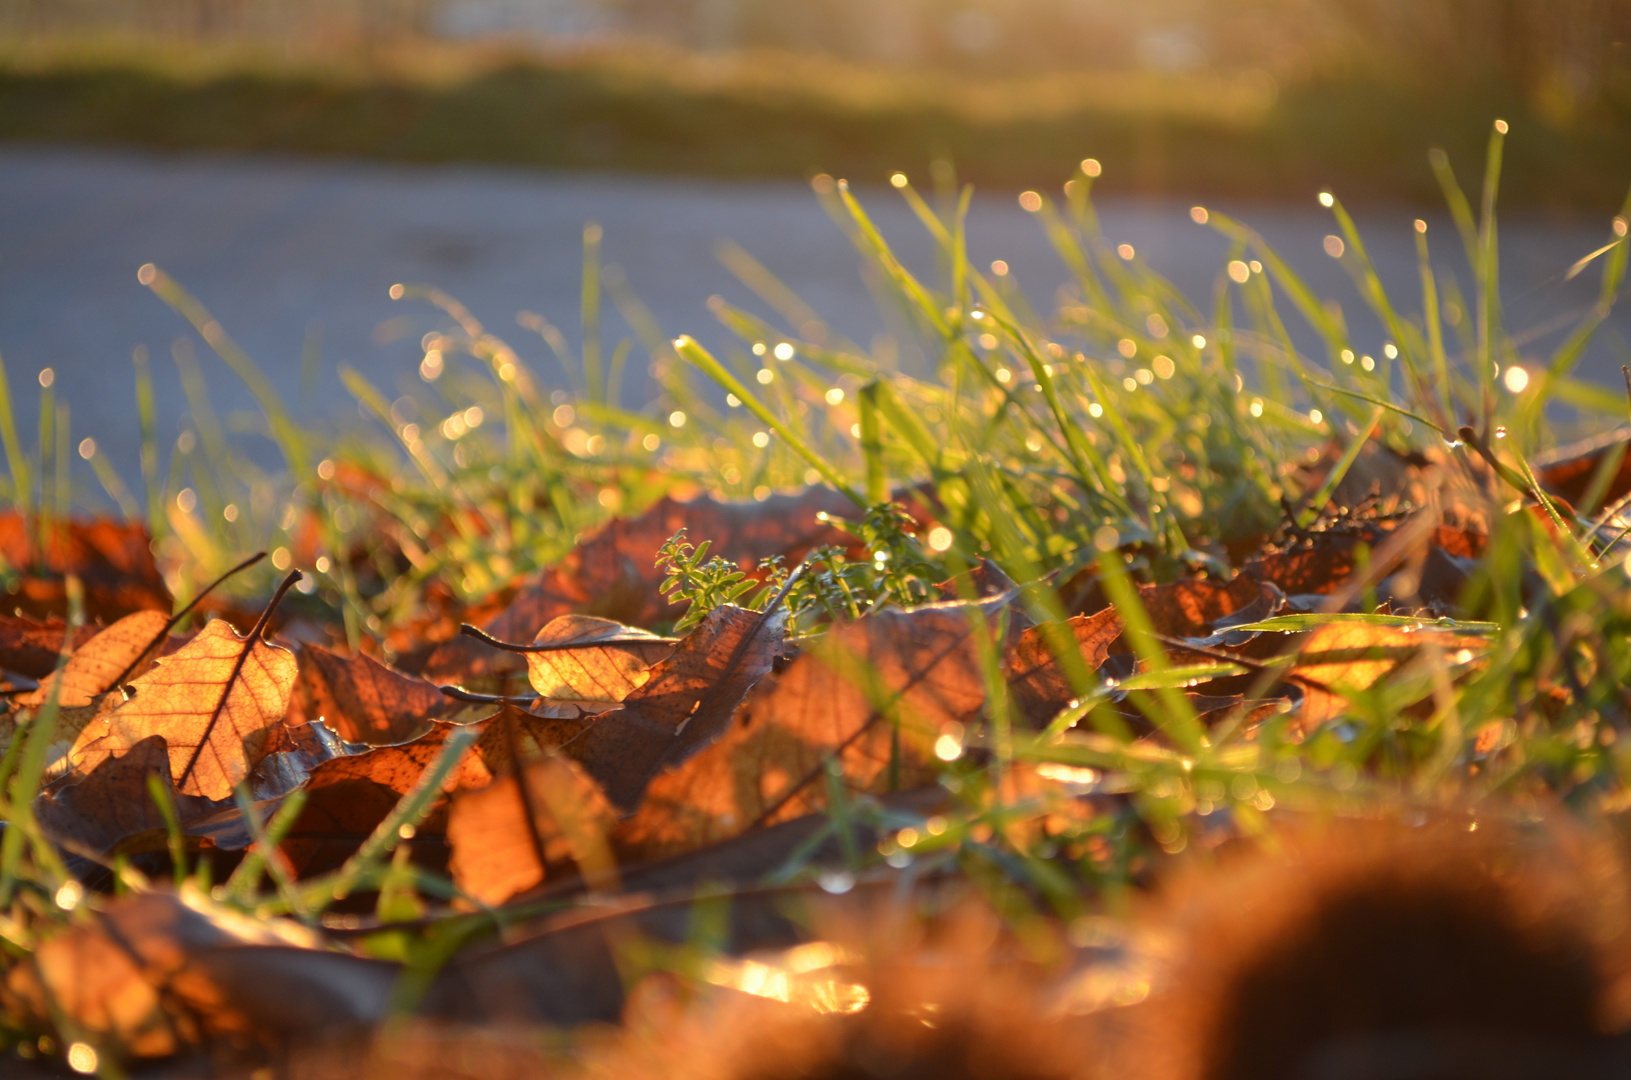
(654, 108)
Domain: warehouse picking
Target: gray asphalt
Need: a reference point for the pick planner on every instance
(286, 253)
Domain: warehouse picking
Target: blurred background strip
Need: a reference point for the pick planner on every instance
(1251, 97)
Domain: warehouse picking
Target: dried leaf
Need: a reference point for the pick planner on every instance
(1344, 657)
(907, 672)
(30, 646)
(1198, 608)
(685, 705)
(112, 559)
(593, 659)
(1318, 563)
(1569, 470)
(1354, 655)
(497, 853)
(90, 671)
(266, 979)
(366, 702)
(347, 797)
(109, 804)
(215, 701)
(90, 977)
(1035, 676)
(71, 722)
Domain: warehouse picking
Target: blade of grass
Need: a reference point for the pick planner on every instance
(150, 448)
(21, 493)
(696, 355)
(312, 897)
(291, 441)
(1309, 513)
(589, 312)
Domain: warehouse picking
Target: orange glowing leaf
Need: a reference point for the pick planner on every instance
(582, 658)
(215, 701)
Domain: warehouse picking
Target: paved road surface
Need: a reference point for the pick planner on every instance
(286, 252)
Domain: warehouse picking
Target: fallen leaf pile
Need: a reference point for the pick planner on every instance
(565, 751)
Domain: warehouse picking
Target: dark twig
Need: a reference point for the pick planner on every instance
(175, 620)
(559, 646)
(459, 693)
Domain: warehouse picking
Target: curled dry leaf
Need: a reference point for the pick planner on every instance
(364, 701)
(875, 694)
(684, 705)
(214, 700)
(590, 659)
(507, 839)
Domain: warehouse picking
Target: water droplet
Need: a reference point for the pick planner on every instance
(1453, 444)
(838, 882)
(1500, 433)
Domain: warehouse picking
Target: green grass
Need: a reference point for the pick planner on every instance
(1129, 432)
(1211, 134)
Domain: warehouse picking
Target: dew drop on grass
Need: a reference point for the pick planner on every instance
(838, 882)
(1500, 433)
(82, 1058)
